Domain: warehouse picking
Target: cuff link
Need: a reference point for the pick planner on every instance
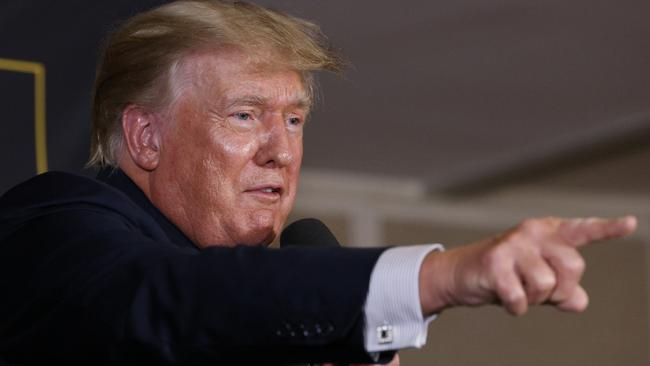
(385, 334)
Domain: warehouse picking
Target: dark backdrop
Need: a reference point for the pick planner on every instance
(65, 37)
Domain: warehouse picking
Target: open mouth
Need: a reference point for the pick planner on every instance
(271, 190)
(268, 191)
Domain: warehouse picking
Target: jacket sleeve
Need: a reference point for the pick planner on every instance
(86, 286)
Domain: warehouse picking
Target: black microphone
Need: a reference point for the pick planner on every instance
(308, 233)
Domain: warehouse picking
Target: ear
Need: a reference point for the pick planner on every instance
(142, 133)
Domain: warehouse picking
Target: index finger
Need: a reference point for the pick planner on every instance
(582, 231)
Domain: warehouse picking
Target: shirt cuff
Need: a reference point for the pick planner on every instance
(393, 312)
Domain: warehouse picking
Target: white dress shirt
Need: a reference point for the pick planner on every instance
(393, 312)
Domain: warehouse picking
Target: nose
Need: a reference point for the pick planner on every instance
(275, 149)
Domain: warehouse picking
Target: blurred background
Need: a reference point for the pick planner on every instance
(458, 119)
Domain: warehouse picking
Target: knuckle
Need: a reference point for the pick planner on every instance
(575, 265)
(545, 283)
(539, 287)
(514, 242)
(528, 225)
(537, 226)
(510, 240)
(508, 294)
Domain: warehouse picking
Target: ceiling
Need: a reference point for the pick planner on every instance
(454, 92)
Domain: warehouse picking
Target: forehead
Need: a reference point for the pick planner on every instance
(225, 75)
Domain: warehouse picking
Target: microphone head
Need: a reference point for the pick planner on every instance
(308, 233)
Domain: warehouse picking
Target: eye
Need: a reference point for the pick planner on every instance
(295, 121)
(243, 116)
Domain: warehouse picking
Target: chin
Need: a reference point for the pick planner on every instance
(258, 237)
(249, 237)
(261, 229)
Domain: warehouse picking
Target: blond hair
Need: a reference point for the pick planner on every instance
(138, 60)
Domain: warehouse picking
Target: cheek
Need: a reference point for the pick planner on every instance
(232, 155)
(224, 171)
(233, 146)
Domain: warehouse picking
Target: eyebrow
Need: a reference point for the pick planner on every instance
(254, 100)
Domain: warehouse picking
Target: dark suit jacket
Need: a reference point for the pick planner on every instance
(92, 273)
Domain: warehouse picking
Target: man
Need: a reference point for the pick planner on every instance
(198, 113)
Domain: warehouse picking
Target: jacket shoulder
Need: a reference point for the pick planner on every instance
(56, 192)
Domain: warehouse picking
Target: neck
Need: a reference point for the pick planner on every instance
(139, 176)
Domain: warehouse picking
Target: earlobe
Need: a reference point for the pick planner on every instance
(142, 136)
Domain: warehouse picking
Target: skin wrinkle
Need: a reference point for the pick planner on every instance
(209, 157)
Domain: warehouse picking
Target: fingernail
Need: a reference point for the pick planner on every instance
(630, 222)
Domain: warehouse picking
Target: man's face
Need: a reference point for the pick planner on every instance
(231, 150)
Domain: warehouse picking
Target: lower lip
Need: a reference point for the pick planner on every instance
(265, 196)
